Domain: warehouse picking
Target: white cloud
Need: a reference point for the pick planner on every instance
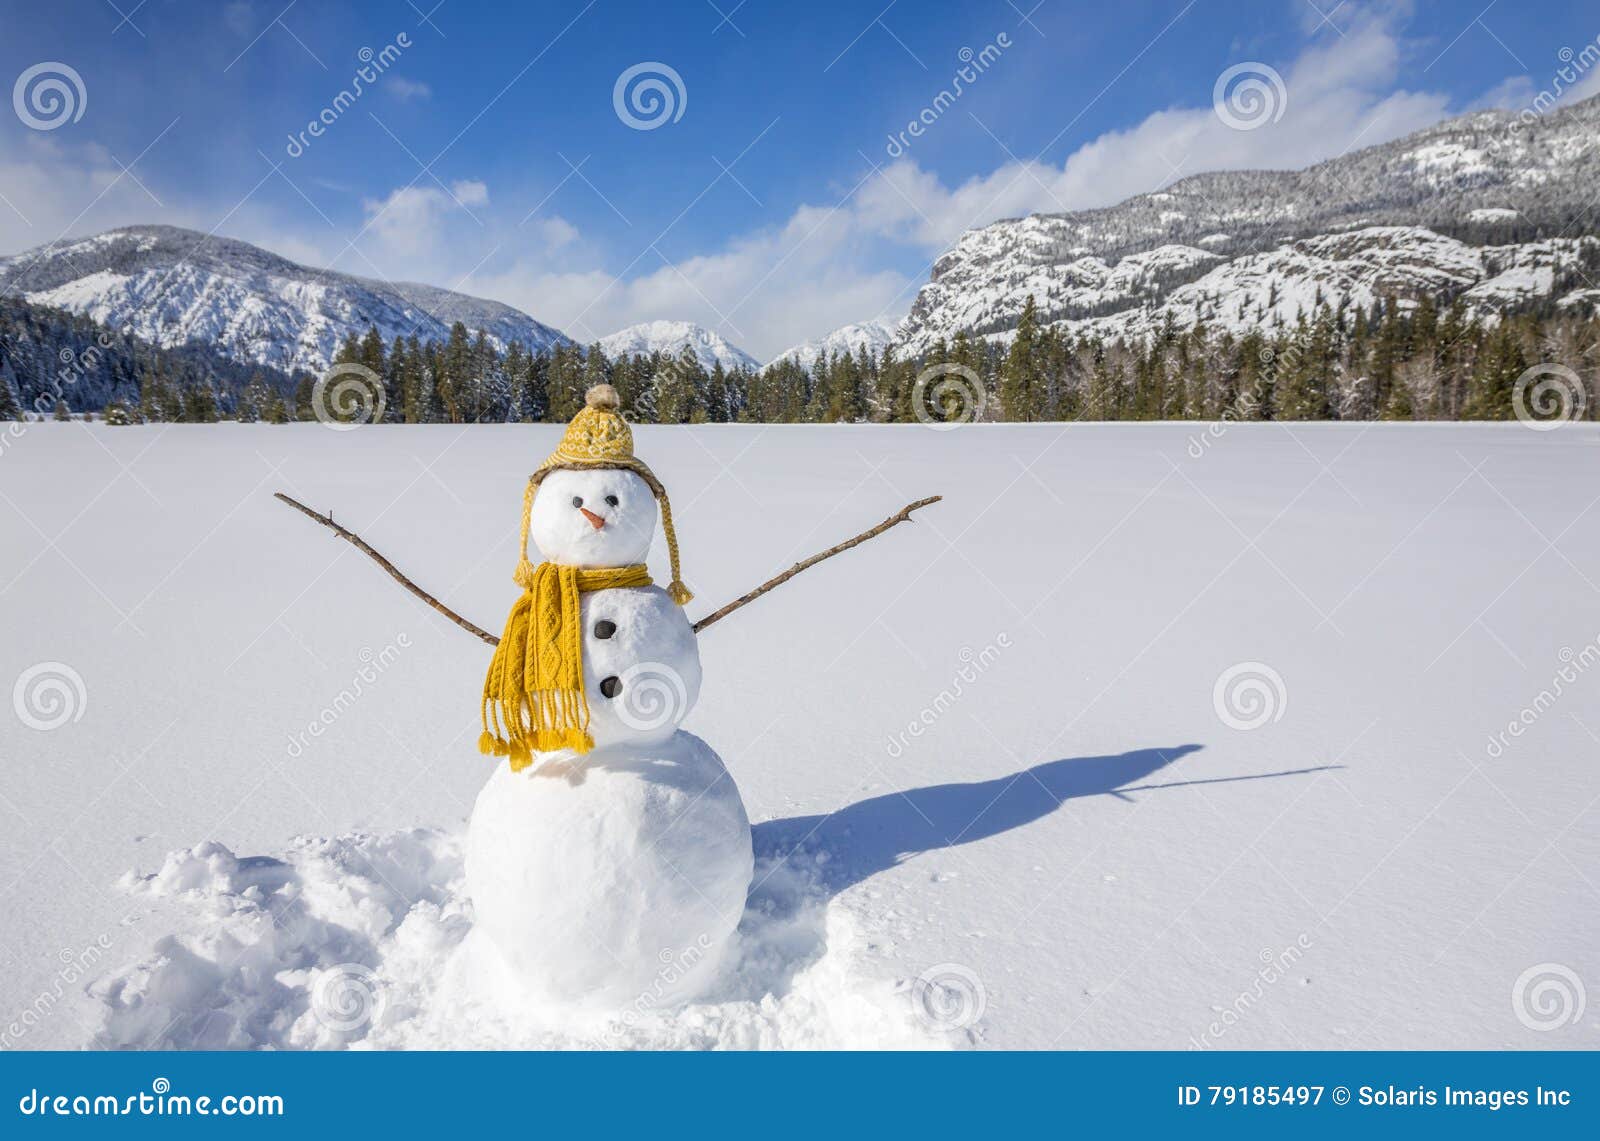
(411, 224)
(1585, 87)
(405, 89)
(240, 18)
(554, 231)
(470, 192)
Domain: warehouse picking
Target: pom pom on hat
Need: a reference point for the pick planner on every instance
(603, 397)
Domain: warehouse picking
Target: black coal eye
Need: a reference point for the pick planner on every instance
(577, 501)
(612, 499)
(604, 628)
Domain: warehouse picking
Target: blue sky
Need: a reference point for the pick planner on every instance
(490, 156)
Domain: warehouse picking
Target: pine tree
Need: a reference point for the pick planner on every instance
(416, 394)
(1493, 381)
(10, 403)
(676, 388)
(394, 389)
(454, 376)
(200, 404)
(1399, 405)
(371, 354)
(1019, 375)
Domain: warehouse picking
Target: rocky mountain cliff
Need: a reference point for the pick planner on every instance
(1490, 206)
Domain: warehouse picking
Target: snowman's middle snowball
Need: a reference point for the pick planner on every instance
(641, 665)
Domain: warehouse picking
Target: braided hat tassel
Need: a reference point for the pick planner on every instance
(680, 593)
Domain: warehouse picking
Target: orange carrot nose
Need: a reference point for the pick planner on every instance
(595, 521)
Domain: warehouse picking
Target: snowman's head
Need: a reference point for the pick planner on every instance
(593, 517)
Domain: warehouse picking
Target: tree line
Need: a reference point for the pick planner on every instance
(1392, 360)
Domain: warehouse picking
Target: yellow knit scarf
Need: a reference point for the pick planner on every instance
(533, 696)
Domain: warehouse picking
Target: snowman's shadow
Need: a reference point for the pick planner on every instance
(873, 835)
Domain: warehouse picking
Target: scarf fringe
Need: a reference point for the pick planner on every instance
(533, 694)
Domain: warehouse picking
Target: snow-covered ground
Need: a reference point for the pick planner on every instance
(1006, 750)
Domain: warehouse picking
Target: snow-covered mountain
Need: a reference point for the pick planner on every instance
(671, 338)
(1490, 205)
(170, 286)
(870, 335)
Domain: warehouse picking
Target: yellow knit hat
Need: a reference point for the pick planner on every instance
(598, 437)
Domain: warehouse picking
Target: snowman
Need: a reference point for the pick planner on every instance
(608, 860)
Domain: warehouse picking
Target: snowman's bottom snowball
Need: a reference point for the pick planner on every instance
(615, 879)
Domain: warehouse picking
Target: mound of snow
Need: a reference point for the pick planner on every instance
(367, 941)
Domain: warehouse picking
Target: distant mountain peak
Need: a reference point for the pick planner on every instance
(170, 286)
(873, 336)
(671, 338)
